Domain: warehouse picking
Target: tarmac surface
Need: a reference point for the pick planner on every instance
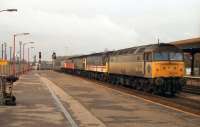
(51, 99)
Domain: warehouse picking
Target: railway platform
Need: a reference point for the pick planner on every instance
(193, 85)
(52, 99)
(193, 80)
(35, 106)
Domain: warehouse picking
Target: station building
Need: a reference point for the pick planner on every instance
(191, 48)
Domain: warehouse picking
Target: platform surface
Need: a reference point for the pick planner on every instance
(35, 106)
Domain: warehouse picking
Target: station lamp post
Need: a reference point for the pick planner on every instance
(24, 52)
(8, 10)
(14, 62)
(32, 48)
(29, 54)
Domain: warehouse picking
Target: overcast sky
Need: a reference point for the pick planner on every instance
(85, 26)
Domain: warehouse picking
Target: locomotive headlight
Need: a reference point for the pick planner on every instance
(159, 81)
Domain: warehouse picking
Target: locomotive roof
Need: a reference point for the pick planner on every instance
(162, 47)
(147, 48)
(131, 50)
(92, 54)
(136, 50)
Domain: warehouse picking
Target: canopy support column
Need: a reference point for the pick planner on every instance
(192, 64)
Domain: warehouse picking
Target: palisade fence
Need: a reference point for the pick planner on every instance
(7, 77)
(6, 68)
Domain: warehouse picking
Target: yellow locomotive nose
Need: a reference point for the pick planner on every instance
(167, 69)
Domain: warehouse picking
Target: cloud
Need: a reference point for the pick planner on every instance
(87, 26)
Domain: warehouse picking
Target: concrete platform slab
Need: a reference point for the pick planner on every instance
(35, 106)
(116, 109)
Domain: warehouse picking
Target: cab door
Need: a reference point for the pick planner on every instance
(84, 64)
(148, 64)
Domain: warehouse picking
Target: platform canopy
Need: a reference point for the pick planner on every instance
(191, 50)
(188, 45)
(191, 46)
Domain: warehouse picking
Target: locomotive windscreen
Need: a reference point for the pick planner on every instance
(176, 56)
(168, 56)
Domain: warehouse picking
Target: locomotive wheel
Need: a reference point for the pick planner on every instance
(155, 90)
(134, 84)
(139, 86)
(147, 87)
(172, 94)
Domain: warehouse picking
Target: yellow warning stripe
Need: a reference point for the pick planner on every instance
(3, 62)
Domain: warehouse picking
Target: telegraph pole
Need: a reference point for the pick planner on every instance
(158, 41)
(10, 53)
(5, 52)
(39, 63)
(34, 59)
(2, 51)
(10, 59)
(20, 55)
(28, 59)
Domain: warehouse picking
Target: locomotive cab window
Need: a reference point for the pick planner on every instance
(176, 56)
(161, 56)
(173, 56)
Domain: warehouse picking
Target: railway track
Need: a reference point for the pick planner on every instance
(178, 103)
(192, 89)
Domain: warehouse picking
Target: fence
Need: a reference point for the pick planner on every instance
(7, 77)
(6, 68)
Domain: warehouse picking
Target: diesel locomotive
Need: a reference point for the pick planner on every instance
(156, 68)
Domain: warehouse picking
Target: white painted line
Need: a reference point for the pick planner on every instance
(60, 105)
(66, 113)
(31, 83)
(82, 114)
